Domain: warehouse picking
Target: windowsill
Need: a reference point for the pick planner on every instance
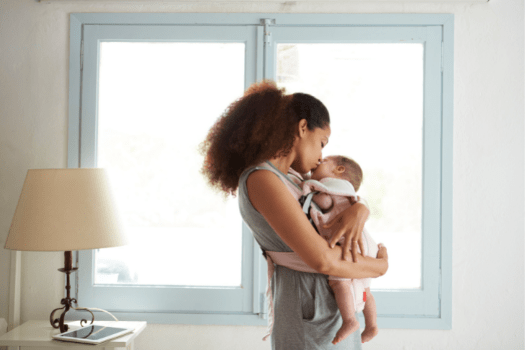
(385, 322)
(279, 1)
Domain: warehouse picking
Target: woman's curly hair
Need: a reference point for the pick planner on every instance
(260, 125)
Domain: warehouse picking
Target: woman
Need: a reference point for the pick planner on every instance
(250, 148)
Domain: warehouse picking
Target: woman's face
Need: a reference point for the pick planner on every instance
(308, 147)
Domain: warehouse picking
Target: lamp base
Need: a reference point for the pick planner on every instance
(67, 301)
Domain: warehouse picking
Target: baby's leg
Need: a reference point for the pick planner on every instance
(345, 302)
(370, 314)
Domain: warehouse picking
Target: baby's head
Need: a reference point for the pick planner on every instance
(339, 167)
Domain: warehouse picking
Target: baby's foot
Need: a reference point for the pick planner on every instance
(348, 327)
(369, 333)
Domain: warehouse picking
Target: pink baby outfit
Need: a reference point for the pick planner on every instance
(340, 190)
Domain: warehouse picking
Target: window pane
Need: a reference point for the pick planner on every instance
(156, 104)
(374, 93)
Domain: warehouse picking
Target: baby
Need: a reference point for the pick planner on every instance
(337, 179)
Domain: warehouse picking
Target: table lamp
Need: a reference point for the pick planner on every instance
(66, 210)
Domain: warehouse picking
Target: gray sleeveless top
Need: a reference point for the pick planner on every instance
(306, 314)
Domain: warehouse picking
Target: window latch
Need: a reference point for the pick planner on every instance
(267, 22)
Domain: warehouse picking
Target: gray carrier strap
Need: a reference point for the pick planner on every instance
(308, 202)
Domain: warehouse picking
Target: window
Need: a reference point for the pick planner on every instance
(144, 90)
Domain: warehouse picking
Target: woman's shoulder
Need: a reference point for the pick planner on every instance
(247, 172)
(252, 173)
(272, 171)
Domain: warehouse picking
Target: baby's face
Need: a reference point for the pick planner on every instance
(325, 169)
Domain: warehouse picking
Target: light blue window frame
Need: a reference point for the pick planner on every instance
(429, 307)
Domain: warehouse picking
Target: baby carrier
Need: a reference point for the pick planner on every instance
(304, 191)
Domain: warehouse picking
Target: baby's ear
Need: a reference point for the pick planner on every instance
(340, 169)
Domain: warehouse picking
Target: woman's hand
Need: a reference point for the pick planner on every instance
(350, 223)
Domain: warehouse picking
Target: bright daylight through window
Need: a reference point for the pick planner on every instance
(153, 111)
(374, 93)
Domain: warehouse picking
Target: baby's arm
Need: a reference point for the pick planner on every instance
(324, 201)
(370, 314)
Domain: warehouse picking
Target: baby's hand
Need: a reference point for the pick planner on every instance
(382, 253)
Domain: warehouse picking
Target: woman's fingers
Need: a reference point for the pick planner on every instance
(357, 241)
(333, 221)
(336, 237)
(336, 223)
(361, 245)
(349, 223)
(354, 251)
(347, 246)
(351, 243)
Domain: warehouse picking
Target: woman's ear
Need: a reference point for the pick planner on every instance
(303, 127)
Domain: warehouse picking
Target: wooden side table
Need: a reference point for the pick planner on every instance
(40, 333)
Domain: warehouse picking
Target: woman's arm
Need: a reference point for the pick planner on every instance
(271, 198)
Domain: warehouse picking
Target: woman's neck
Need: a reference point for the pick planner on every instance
(283, 163)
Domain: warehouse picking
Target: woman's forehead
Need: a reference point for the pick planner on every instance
(326, 131)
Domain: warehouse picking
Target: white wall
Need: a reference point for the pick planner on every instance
(488, 264)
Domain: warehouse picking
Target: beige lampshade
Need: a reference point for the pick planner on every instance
(66, 209)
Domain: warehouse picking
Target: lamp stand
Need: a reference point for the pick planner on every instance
(67, 301)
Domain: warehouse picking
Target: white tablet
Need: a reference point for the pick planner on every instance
(94, 334)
